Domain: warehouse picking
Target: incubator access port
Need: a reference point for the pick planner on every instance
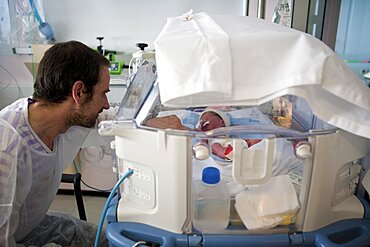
(201, 151)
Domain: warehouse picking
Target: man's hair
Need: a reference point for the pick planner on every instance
(62, 65)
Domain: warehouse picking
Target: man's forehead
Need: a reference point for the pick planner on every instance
(104, 80)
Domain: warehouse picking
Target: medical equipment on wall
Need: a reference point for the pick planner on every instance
(115, 67)
(296, 185)
(139, 57)
(30, 25)
(45, 28)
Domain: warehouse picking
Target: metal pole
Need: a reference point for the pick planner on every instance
(261, 9)
(245, 8)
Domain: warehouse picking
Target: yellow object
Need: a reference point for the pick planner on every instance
(38, 52)
(71, 169)
(287, 219)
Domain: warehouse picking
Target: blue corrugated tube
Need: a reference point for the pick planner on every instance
(110, 197)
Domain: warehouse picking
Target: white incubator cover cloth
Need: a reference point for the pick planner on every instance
(236, 60)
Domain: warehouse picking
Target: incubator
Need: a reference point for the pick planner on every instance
(293, 172)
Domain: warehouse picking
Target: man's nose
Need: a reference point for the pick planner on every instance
(106, 104)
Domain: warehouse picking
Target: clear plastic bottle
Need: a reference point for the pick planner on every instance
(211, 202)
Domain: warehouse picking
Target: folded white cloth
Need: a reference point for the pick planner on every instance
(193, 59)
(246, 204)
(267, 205)
(278, 196)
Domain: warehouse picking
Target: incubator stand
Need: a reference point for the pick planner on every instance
(320, 162)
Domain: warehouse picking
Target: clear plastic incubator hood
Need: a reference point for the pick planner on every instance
(241, 132)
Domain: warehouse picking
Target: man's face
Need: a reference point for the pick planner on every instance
(89, 111)
(210, 121)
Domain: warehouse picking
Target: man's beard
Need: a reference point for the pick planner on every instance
(80, 119)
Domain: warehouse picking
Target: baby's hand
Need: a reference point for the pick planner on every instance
(219, 150)
(252, 142)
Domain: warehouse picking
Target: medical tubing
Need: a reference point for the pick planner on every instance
(35, 12)
(30, 37)
(105, 209)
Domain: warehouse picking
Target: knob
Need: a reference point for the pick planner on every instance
(141, 45)
(303, 150)
(201, 151)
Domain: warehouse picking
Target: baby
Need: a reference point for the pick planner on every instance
(209, 119)
(212, 118)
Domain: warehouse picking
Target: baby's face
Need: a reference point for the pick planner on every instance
(210, 121)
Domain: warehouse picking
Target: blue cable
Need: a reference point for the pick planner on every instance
(100, 226)
(35, 12)
(44, 27)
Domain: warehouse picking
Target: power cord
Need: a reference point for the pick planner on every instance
(107, 203)
(20, 93)
(89, 186)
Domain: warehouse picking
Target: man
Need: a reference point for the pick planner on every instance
(40, 137)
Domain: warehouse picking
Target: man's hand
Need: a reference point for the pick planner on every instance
(168, 122)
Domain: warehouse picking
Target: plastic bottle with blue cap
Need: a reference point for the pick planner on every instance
(211, 202)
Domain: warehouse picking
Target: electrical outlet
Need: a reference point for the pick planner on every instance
(140, 188)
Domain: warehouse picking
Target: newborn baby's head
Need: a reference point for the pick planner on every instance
(211, 119)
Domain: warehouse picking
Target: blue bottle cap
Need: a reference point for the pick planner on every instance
(211, 175)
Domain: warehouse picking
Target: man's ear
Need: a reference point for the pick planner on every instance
(78, 94)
